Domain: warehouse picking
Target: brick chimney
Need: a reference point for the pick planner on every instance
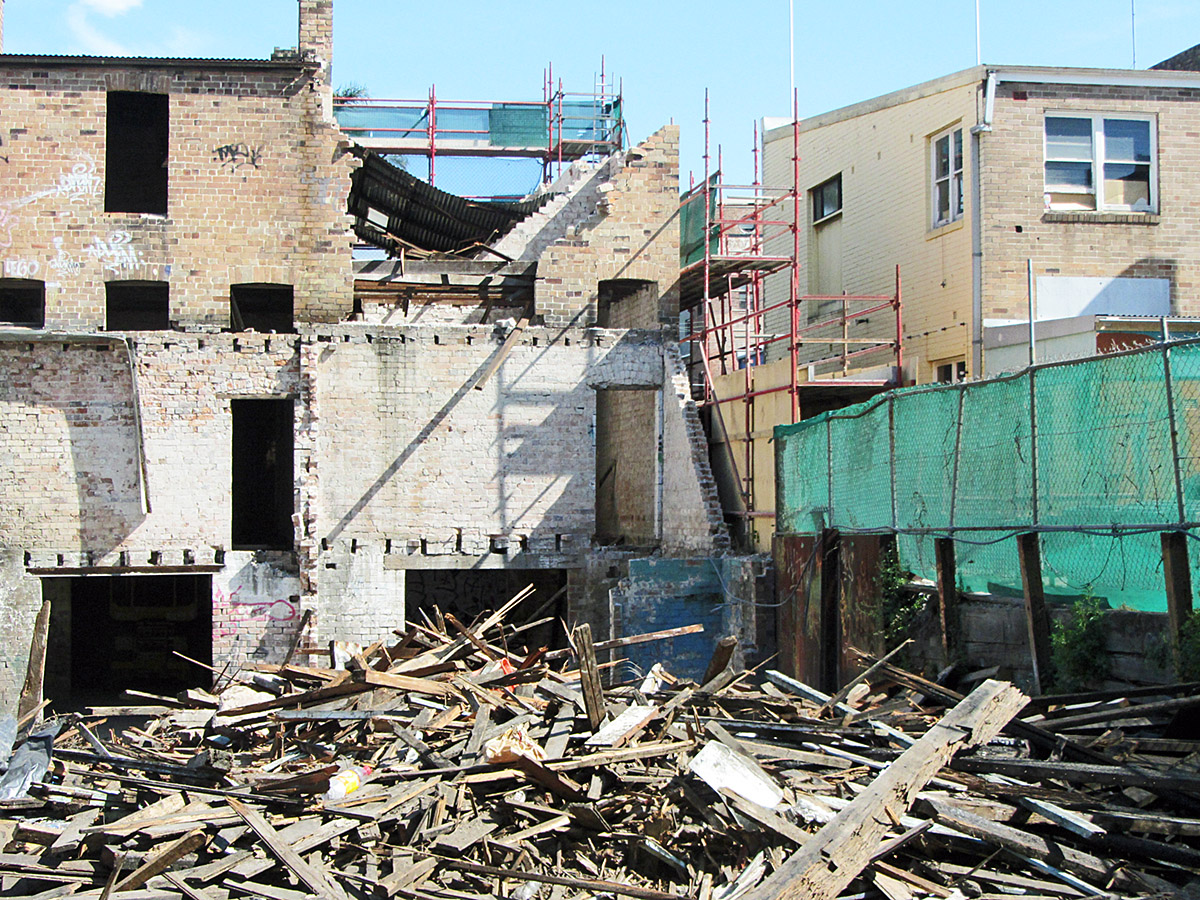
(316, 34)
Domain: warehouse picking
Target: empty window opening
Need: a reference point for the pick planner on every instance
(262, 475)
(626, 466)
(262, 307)
(113, 632)
(135, 157)
(466, 593)
(627, 303)
(137, 306)
(22, 302)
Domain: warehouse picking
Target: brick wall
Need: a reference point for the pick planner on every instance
(631, 231)
(256, 191)
(1016, 227)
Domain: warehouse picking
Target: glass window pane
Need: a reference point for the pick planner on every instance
(1070, 201)
(942, 200)
(1127, 185)
(1068, 138)
(1068, 176)
(941, 157)
(958, 150)
(1127, 140)
(958, 194)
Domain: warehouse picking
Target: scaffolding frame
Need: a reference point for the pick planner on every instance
(733, 272)
(576, 125)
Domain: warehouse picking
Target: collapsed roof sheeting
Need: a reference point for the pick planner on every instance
(394, 210)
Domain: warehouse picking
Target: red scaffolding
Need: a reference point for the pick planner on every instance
(749, 234)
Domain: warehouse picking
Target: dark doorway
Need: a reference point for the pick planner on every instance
(22, 302)
(262, 307)
(262, 474)
(109, 633)
(135, 157)
(137, 306)
(466, 593)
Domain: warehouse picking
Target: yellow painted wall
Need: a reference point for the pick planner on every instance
(884, 156)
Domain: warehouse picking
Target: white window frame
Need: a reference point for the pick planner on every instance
(1099, 158)
(954, 177)
(813, 194)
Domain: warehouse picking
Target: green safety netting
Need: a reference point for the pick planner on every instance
(692, 222)
(1081, 451)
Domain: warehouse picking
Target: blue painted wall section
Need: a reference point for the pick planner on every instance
(669, 593)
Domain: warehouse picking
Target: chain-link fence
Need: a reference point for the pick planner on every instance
(1099, 455)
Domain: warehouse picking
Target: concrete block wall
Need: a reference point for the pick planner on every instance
(257, 188)
(1017, 227)
(631, 231)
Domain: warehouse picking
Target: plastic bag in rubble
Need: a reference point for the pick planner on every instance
(29, 763)
(511, 744)
(8, 735)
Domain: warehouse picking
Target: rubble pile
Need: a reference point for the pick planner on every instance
(449, 766)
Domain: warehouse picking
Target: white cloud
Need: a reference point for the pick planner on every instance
(89, 38)
(112, 7)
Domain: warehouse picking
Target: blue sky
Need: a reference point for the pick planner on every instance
(666, 52)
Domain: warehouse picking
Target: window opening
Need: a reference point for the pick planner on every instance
(827, 198)
(22, 302)
(951, 372)
(262, 307)
(135, 156)
(263, 498)
(1102, 164)
(947, 174)
(137, 306)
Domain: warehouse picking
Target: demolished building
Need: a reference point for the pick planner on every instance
(223, 438)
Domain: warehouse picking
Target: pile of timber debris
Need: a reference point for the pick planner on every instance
(491, 774)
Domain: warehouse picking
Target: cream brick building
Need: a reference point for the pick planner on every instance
(219, 436)
(1087, 173)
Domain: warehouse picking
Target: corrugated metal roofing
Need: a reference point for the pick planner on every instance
(420, 215)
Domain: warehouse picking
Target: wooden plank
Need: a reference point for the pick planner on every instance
(833, 857)
(1092, 868)
(829, 638)
(35, 669)
(947, 582)
(1121, 712)
(162, 860)
(1037, 620)
(312, 878)
(560, 732)
(766, 818)
(1178, 576)
(589, 676)
(588, 884)
(617, 643)
(722, 657)
(404, 877)
(404, 683)
(502, 354)
(467, 834)
(620, 729)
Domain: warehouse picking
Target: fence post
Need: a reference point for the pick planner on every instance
(1166, 353)
(829, 467)
(1037, 620)
(1033, 446)
(1178, 577)
(892, 455)
(962, 392)
(947, 583)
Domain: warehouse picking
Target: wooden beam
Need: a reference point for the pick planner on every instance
(314, 880)
(947, 582)
(35, 670)
(501, 354)
(1178, 577)
(1037, 620)
(589, 676)
(829, 639)
(836, 854)
(162, 860)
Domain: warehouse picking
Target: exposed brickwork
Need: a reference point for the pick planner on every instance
(256, 191)
(1166, 245)
(631, 230)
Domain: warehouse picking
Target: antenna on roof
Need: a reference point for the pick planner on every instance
(1133, 31)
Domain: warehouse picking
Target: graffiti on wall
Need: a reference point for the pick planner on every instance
(64, 263)
(115, 254)
(21, 268)
(77, 185)
(237, 155)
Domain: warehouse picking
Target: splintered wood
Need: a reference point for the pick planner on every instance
(455, 763)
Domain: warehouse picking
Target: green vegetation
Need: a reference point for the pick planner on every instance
(898, 607)
(1079, 655)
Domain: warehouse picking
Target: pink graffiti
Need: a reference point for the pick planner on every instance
(283, 610)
